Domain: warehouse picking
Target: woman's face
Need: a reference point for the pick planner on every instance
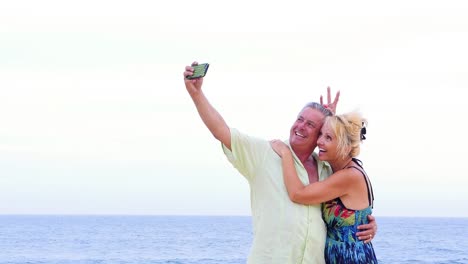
(327, 144)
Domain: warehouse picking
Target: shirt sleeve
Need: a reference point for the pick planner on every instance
(247, 154)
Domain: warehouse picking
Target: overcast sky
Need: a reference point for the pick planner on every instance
(95, 118)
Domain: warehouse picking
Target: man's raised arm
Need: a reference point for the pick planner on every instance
(212, 119)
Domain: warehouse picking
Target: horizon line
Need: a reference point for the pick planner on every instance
(197, 215)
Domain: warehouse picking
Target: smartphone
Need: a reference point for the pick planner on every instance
(199, 71)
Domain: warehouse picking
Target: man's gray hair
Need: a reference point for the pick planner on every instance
(319, 107)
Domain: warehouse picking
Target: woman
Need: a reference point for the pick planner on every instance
(346, 195)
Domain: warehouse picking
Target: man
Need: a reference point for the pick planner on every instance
(284, 232)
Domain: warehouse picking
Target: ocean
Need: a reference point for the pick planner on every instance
(201, 239)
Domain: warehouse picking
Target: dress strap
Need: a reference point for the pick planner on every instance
(370, 192)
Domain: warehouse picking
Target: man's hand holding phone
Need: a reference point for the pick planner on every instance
(199, 70)
(193, 76)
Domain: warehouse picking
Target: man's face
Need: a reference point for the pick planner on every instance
(305, 131)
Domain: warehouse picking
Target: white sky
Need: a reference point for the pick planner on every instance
(95, 119)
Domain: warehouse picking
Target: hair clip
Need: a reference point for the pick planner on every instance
(363, 131)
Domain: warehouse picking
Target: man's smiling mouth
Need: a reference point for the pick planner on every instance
(299, 134)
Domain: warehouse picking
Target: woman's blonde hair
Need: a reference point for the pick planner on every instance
(349, 130)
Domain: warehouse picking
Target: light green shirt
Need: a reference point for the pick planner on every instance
(283, 232)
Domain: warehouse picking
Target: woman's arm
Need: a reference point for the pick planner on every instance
(335, 186)
(291, 180)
